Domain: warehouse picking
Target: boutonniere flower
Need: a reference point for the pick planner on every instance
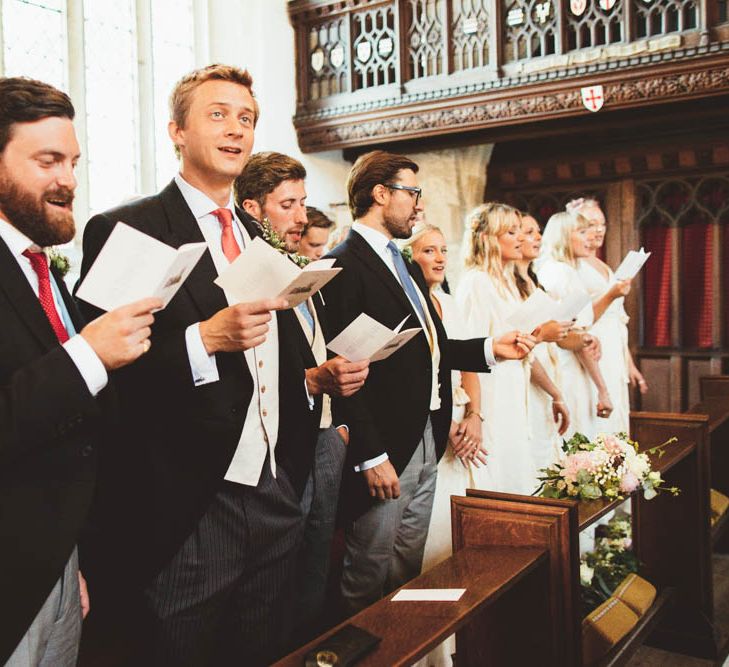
(277, 243)
(407, 253)
(59, 261)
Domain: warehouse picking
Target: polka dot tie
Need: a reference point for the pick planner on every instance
(45, 294)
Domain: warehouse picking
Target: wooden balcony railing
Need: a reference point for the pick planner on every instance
(382, 70)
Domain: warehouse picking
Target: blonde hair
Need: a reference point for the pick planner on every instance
(557, 236)
(419, 231)
(484, 225)
(181, 96)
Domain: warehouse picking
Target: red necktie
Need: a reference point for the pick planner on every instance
(45, 294)
(231, 249)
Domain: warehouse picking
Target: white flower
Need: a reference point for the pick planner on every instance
(586, 574)
(649, 493)
(638, 465)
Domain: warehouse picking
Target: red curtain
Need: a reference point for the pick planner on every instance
(696, 284)
(657, 286)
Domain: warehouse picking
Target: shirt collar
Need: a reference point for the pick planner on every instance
(16, 241)
(198, 202)
(374, 237)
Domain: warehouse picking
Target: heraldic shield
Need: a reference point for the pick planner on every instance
(592, 97)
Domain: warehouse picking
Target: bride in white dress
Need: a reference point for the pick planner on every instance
(611, 321)
(548, 413)
(488, 295)
(568, 238)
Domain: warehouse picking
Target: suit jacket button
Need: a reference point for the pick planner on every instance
(87, 450)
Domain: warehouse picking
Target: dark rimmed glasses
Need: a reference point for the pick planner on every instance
(407, 188)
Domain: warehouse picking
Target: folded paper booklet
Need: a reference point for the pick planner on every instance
(132, 265)
(536, 310)
(261, 272)
(366, 338)
(428, 595)
(576, 305)
(632, 263)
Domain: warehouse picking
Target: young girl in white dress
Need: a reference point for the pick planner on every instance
(488, 295)
(465, 451)
(568, 238)
(611, 321)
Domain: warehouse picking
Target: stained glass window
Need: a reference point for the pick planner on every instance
(34, 40)
(173, 56)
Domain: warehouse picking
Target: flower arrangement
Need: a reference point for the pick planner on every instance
(277, 243)
(59, 261)
(608, 467)
(602, 570)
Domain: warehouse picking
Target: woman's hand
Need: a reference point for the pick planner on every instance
(620, 288)
(592, 346)
(467, 442)
(604, 404)
(561, 415)
(637, 379)
(552, 331)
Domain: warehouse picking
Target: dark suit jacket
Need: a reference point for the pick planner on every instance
(50, 426)
(390, 412)
(163, 472)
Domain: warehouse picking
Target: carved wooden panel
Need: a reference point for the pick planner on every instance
(597, 23)
(374, 47)
(328, 63)
(426, 38)
(660, 17)
(531, 29)
(471, 34)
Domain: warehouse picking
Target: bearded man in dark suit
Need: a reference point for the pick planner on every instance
(55, 408)
(399, 421)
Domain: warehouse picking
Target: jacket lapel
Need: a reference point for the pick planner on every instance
(183, 228)
(21, 297)
(69, 302)
(374, 263)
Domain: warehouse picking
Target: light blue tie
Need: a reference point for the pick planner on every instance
(406, 281)
(62, 310)
(303, 308)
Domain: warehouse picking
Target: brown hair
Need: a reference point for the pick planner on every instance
(24, 100)
(263, 173)
(181, 96)
(370, 169)
(315, 218)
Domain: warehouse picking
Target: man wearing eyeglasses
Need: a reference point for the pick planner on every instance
(399, 420)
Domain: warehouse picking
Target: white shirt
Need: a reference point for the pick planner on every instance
(82, 354)
(260, 430)
(378, 242)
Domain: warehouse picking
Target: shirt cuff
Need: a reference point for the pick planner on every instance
(488, 352)
(204, 366)
(309, 397)
(371, 463)
(87, 362)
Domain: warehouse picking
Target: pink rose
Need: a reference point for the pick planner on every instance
(629, 483)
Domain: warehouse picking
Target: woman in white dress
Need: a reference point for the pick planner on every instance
(611, 321)
(568, 238)
(548, 413)
(465, 451)
(488, 295)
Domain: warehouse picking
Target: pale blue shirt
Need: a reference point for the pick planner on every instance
(82, 354)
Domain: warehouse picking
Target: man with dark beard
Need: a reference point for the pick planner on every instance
(399, 420)
(53, 406)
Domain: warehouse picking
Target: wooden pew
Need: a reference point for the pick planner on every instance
(489, 519)
(506, 587)
(715, 404)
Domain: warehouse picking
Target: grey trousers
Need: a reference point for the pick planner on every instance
(319, 504)
(384, 547)
(225, 598)
(53, 638)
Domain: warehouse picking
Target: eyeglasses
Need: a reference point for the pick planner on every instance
(407, 188)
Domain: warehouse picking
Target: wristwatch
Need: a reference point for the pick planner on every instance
(475, 412)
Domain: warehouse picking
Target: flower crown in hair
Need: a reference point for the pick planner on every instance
(575, 205)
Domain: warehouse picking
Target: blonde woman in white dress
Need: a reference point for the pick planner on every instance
(465, 451)
(488, 295)
(611, 321)
(548, 413)
(568, 238)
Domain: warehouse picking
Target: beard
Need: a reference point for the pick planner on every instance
(30, 215)
(397, 227)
